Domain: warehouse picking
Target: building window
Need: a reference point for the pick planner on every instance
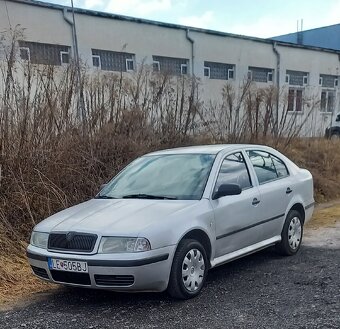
(156, 66)
(270, 76)
(220, 71)
(260, 74)
(129, 65)
(295, 100)
(305, 80)
(171, 65)
(113, 60)
(184, 69)
(231, 74)
(96, 61)
(328, 81)
(207, 71)
(296, 78)
(24, 53)
(327, 101)
(64, 57)
(44, 53)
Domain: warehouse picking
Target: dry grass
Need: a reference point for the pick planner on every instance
(325, 215)
(17, 281)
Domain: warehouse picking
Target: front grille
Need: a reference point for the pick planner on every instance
(72, 241)
(40, 272)
(71, 277)
(114, 280)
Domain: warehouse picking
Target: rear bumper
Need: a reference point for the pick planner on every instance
(309, 209)
(147, 271)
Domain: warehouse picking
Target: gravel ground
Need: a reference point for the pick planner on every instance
(263, 290)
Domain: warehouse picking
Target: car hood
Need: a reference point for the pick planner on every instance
(113, 217)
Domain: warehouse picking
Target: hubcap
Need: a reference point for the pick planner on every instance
(294, 233)
(193, 269)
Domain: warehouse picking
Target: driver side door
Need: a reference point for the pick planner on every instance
(236, 216)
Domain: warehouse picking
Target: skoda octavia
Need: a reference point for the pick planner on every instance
(170, 216)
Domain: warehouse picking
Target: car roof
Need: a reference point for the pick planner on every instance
(207, 149)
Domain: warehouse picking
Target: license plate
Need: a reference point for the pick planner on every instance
(67, 265)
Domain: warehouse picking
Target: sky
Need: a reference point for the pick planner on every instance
(258, 18)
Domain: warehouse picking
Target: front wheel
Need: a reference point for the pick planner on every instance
(291, 236)
(189, 270)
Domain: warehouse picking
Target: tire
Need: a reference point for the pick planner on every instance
(335, 136)
(189, 270)
(291, 236)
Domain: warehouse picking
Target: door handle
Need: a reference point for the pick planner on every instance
(255, 202)
(289, 190)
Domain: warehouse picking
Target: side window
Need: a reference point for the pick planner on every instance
(267, 166)
(281, 168)
(234, 171)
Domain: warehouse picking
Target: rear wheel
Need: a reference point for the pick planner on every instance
(189, 270)
(291, 236)
(335, 136)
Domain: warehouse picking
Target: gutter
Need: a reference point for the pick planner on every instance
(192, 41)
(278, 66)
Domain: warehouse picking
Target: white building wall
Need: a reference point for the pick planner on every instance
(47, 25)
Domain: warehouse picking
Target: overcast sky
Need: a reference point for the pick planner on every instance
(260, 18)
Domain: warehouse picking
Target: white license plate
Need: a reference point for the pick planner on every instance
(67, 265)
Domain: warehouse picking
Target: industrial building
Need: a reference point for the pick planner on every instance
(325, 37)
(307, 74)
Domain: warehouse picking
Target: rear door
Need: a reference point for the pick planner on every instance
(276, 188)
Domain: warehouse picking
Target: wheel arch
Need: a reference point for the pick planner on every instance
(300, 208)
(200, 236)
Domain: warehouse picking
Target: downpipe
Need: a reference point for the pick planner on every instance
(278, 66)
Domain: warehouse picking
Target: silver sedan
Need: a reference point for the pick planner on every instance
(170, 216)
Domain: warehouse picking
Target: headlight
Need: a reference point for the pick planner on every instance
(110, 245)
(39, 239)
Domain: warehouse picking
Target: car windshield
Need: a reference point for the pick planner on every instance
(173, 176)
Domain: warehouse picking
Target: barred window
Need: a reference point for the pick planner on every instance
(170, 65)
(297, 78)
(328, 81)
(96, 61)
(24, 53)
(221, 71)
(44, 53)
(260, 74)
(109, 60)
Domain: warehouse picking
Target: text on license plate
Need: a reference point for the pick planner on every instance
(67, 265)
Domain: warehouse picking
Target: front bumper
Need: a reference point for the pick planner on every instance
(147, 271)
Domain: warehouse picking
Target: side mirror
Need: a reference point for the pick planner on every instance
(227, 189)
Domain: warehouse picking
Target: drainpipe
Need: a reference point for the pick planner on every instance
(191, 40)
(81, 106)
(278, 65)
(70, 22)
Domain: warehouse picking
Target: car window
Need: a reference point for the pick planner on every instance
(267, 166)
(234, 171)
(178, 176)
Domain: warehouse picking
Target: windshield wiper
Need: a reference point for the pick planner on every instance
(148, 196)
(104, 197)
